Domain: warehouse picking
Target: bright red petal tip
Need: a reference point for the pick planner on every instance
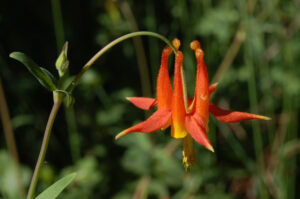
(157, 121)
(144, 103)
(213, 87)
(233, 116)
(196, 127)
(163, 87)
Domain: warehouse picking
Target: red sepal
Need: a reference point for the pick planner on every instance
(212, 88)
(158, 120)
(233, 116)
(144, 103)
(195, 125)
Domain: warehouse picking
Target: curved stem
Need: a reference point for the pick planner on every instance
(55, 108)
(58, 98)
(110, 45)
(139, 49)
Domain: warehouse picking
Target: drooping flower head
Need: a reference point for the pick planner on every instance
(188, 118)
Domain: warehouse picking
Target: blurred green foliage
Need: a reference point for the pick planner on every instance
(8, 183)
(252, 159)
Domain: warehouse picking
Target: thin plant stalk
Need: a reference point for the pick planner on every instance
(237, 148)
(58, 98)
(10, 138)
(230, 55)
(110, 45)
(58, 23)
(141, 189)
(69, 112)
(257, 139)
(73, 133)
(291, 129)
(57, 102)
(154, 53)
(139, 50)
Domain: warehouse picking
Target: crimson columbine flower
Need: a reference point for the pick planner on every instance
(188, 118)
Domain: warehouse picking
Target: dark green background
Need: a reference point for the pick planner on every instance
(256, 159)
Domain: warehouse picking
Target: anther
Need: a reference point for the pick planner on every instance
(195, 45)
(176, 43)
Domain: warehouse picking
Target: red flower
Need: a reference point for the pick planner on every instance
(188, 118)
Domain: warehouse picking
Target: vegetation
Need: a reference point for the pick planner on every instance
(251, 47)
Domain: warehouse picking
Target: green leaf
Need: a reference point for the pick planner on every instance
(49, 74)
(41, 74)
(54, 190)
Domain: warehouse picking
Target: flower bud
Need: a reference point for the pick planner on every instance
(62, 62)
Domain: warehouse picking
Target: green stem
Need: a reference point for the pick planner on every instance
(139, 49)
(58, 24)
(290, 131)
(257, 139)
(58, 98)
(73, 134)
(69, 112)
(57, 102)
(109, 46)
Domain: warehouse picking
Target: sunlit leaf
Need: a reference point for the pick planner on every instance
(54, 190)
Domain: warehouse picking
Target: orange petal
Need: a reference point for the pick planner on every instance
(158, 120)
(163, 87)
(178, 108)
(191, 101)
(196, 128)
(199, 120)
(201, 105)
(144, 103)
(233, 116)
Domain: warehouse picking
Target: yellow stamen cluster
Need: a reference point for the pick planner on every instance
(188, 152)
